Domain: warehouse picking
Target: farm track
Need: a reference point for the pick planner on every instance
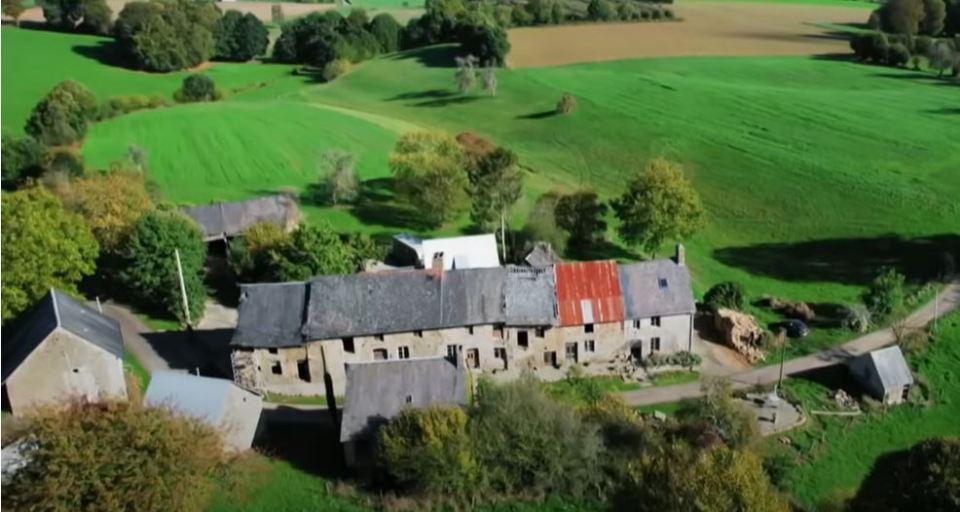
(707, 29)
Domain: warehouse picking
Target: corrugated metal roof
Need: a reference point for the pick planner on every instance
(377, 391)
(588, 292)
(271, 314)
(656, 288)
(891, 367)
(59, 310)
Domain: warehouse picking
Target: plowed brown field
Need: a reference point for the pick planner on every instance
(722, 28)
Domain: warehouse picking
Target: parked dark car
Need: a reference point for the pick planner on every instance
(796, 328)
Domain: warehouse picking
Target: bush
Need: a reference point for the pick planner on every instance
(725, 418)
(566, 104)
(21, 159)
(63, 115)
(249, 254)
(335, 68)
(114, 456)
(628, 12)
(240, 37)
(682, 358)
(898, 55)
(119, 105)
(857, 318)
(885, 295)
(428, 450)
(527, 443)
(167, 35)
(724, 295)
(601, 10)
(197, 88)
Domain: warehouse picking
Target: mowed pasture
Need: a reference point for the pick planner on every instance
(708, 28)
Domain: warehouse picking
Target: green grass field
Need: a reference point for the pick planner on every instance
(837, 453)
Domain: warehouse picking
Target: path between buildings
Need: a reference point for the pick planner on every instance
(132, 327)
(949, 299)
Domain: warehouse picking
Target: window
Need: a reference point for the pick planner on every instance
(403, 352)
(276, 369)
(452, 351)
(539, 331)
(348, 345)
(409, 399)
(655, 344)
(589, 346)
(418, 334)
(272, 350)
(303, 370)
(498, 331)
(470, 330)
(662, 283)
(636, 324)
(500, 353)
(379, 354)
(655, 321)
(588, 328)
(522, 339)
(550, 357)
(378, 337)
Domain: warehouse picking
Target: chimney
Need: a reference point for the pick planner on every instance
(436, 264)
(680, 256)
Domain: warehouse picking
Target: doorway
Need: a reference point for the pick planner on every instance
(550, 357)
(572, 353)
(473, 358)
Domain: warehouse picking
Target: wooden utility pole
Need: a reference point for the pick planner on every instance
(183, 288)
(503, 237)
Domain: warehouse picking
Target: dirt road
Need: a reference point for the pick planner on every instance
(707, 29)
(949, 299)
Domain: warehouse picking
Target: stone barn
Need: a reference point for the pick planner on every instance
(377, 391)
(64, 350)
(884, 374)
(221, 221)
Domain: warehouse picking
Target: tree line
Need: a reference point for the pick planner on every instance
(913, 32)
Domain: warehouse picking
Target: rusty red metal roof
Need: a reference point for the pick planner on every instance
(588, 293)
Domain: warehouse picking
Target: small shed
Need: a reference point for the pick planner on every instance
(884, 374)
(220, 403)
(64, 350)
(229, 219)
(377, 391)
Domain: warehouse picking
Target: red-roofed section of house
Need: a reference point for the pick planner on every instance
(588, 293)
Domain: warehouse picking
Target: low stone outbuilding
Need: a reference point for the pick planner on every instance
(377, 391)
(884, 374)
(220, 403)
(64, 350)
(219, 221)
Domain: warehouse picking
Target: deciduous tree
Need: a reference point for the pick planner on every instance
(22, 158)
(387, 31)
(338, 177)
(63, 115)
(14, 9)
(885, 294)
(496, 182)
(581, 215)
(240, 37)
(150, 271)
(169, 34)
(43, 247)
(659, 204)
(249, 254)
(730, 421)
(197, 88)
(925, 477)
(431, 176)
(310, 251)
(85, 15)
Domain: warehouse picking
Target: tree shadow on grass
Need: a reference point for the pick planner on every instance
(440, 56)
(538, 115)
(108, 53)
(430, 94)
(945, 111)
(601, 250)
(833, 378)
(306, 438)
(845, 260)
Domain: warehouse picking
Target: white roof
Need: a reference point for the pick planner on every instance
(891, 367)
(460, 252)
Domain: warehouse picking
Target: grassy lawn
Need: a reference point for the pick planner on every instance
(838, 452)
(675, 377)
(668, 408)
(578, 390)
(294, 400)
(132, 365)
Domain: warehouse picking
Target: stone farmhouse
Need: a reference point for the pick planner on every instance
(64, 350)
(296, 338)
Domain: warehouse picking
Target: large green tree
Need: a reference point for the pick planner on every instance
(43, 247)
(581, 215)
(659, 204)
(387, 31)
(430, 170)
(22, 157)
(83, 15)
(149, 267)
(496, 182)
(63, 115)
(240, 37)
(925, 477)
(168, 35)
(249, 254)
(310, 251)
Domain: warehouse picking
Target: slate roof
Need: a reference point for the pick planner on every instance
(655, 288)
(891, 367)
(529, 297)
(461, 252)
(542, 255)
(402, 301)
(378, 390)
(588, 292)
(271, 314)
(231, 218)
(59, 310)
